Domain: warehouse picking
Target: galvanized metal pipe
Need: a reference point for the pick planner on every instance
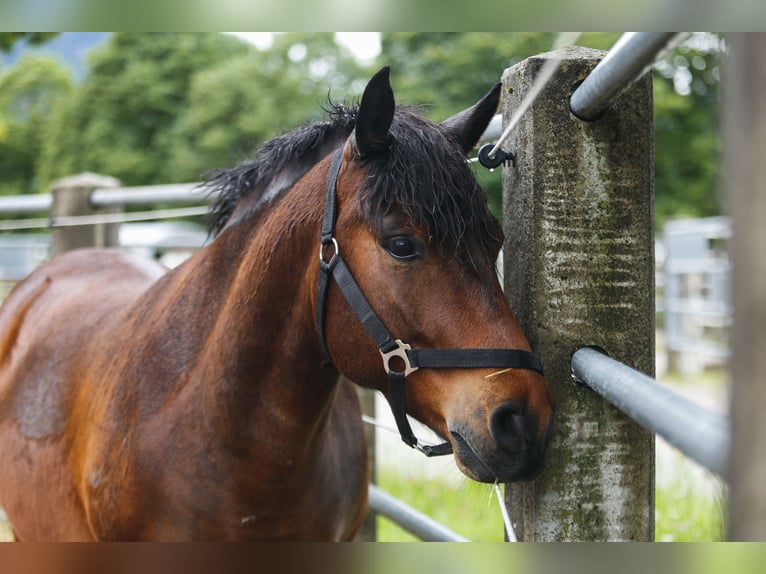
(410, 519)
(25, 203)
(702, 435)
(148, 194)
(627, 61)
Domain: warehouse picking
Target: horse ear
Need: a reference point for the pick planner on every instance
(466, 127)
(376, 112)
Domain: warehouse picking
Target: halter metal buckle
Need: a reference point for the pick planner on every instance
(336, 250)
(400, 352)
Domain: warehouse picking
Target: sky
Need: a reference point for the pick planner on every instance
(364, 45)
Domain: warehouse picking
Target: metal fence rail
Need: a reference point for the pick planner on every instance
(627, 61)
(25, 203)
(702, 435)
(410, 519)
(149, 194)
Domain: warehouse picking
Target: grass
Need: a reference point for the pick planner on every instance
(690, 503)
(470, 510)
(682, 515)
(685, 510)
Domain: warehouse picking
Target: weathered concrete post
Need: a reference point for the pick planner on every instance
(71, 196)
(579, 270)
(745, 120)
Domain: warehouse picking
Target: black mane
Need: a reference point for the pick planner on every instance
(423, 172)
(295, 152)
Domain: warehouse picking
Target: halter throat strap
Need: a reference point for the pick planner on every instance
(399, 358)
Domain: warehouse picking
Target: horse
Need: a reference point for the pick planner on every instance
(217, 400)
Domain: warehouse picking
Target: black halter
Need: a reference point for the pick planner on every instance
(394, 352)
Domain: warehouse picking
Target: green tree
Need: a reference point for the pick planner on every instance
(138, 85)
(449, 71)
(238, 104)
(9, 39)
(687, 130)
(29, 94)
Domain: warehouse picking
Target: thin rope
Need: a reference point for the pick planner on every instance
(506, 517)
(376, 423)
(78, 220)
(543, 77)
(75, 220)
(499, 495)
(13, 224)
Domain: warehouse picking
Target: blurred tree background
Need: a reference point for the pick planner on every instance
(166, 107)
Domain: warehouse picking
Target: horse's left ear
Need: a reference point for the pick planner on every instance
(376, 112)
(466, 127)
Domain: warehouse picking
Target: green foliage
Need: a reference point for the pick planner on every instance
(117, 121)
(158, 108)
(9, 39)
(238, 104)
(687, 130)
(29, 93)
(448, 71)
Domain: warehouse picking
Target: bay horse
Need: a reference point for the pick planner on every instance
(215, 401)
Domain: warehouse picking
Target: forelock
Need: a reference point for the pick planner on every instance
(427, 176)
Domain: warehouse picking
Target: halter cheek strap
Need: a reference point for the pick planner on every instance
(399, 358)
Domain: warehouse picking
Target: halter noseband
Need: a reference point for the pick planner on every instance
(394, 352)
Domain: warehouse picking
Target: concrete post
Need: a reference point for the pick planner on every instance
(579, 270)
(71, 196)
(745, 133)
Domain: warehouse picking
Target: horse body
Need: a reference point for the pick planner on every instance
(206, 402)
(140, 444)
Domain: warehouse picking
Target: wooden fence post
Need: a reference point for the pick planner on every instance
(579, 270)
(745, 138)
(71, 196)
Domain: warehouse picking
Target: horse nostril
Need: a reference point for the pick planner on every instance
(511, 427)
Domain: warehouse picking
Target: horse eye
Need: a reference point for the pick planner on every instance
(402, 247)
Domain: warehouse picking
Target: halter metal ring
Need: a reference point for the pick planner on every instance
(400, 352)
(323, 245)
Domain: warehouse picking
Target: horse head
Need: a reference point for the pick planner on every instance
(415, 233)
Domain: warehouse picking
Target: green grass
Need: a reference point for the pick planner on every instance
(683, 512)
(690, 504)
(470, 510)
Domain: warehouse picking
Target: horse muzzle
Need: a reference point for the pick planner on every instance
(510, 448)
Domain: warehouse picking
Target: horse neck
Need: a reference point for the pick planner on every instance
(263, 350)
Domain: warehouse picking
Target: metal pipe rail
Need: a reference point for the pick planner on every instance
(148, 194)
(31, 203)
(410, 519)
(627, 61)
(700, 434)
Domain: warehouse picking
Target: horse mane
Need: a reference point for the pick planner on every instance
(423, 172)
(276, 165)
